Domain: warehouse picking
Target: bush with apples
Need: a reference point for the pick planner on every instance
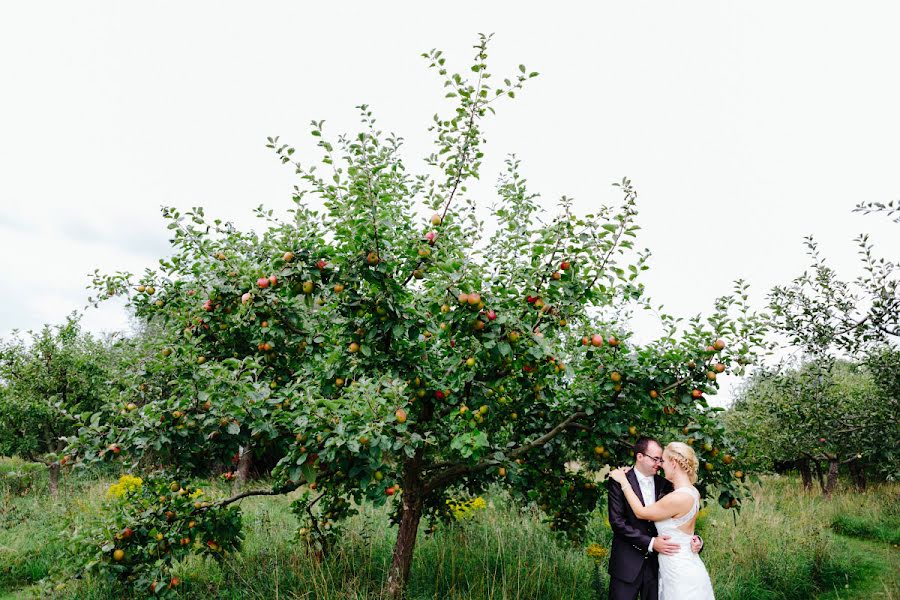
(375, 352)
(149, 526)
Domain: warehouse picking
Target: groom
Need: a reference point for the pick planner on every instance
(633, 565)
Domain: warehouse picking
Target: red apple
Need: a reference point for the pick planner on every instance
(321, 264)
(431, 236)
(262, 282)
(246, 298)
(596, 340)
(565, 265)
(491, 315)
(273, 280)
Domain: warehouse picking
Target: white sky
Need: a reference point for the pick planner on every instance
(744, 126)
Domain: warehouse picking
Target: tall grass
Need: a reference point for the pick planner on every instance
(780, 546)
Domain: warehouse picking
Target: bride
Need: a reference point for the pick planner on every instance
(682, 576)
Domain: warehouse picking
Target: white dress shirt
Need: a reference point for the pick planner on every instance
(648, 488)
(648, 491)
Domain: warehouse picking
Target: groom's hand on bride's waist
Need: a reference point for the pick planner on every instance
(662, 545)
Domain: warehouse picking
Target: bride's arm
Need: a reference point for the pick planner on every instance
(667, 507)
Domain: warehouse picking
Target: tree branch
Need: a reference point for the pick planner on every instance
(452, 471)
(249, 493)
(672, 386)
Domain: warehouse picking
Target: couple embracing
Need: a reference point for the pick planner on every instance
(655, 553)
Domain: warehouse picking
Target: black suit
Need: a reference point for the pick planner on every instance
(632, 569)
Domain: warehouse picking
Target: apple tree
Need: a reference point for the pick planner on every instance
(46, 384)
(386, 347)
(832, 321)
(816, 418)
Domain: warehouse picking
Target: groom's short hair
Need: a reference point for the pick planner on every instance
(643, 443)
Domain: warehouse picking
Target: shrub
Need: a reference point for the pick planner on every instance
(152, 524)
(17, 476)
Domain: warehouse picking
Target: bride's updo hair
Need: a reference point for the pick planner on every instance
(684, 456)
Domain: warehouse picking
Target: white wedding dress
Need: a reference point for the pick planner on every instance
(682, 576)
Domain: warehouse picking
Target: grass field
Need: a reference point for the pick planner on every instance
(785, 544)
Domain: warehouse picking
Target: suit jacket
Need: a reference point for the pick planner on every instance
(631, 535)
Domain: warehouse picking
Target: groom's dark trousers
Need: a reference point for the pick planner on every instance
(633, 571)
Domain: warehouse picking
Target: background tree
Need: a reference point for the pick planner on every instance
(827, 319)
(386, 354)
(46, 385)
(816, 418)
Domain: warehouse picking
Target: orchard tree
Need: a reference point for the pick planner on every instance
(884, 366)
(46, 385)
(816, 418)
(827, 319)
(390, 354)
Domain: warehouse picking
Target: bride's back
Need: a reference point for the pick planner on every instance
(675, 526)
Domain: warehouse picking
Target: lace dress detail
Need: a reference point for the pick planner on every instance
(682, 576)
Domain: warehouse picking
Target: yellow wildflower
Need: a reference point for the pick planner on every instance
(464, 508)
(596, 552)
(126, 485)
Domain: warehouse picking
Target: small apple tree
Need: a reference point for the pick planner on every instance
(384, 355)
(46, 383)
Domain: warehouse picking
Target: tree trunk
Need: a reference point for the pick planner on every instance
(819, 476)
(833, 467)
(245, 459)
(858, 474)
(54, 480)
(413, 504)
(805, 474)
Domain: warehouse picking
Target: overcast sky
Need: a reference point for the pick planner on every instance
(744, 126)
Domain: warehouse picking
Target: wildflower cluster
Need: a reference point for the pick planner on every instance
(127, 485)
(463, 508)
(597, 552)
